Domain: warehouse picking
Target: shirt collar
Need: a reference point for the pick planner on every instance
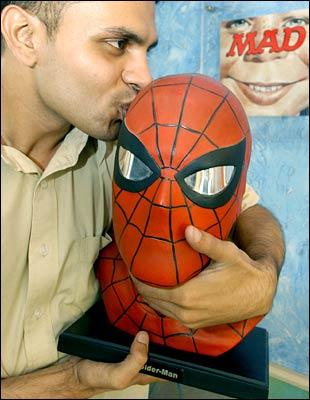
(66, 156)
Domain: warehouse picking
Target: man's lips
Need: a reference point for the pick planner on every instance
(264, 94)
(122, 110)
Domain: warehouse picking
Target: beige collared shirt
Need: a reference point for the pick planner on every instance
(54, 223)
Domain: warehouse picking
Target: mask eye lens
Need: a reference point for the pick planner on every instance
(210, 181)
(131, 166)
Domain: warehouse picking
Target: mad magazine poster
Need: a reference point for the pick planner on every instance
(265, 62)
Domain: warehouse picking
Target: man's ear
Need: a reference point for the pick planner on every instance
(22, 33)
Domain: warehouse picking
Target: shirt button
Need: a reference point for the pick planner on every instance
(38, 313)
(43, 184)
(44, 250)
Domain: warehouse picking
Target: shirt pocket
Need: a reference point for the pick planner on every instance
(87, 284)
(90, 247)
(77, 287)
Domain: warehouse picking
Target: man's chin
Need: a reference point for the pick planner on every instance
(114, 128)
(108, 133)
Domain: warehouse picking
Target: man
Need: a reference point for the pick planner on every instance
(80, 64)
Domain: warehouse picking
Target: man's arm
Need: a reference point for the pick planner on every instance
(240, 283)
(257, 222)
(79, 379)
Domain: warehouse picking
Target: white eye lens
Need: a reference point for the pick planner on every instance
(131, 166)
(210, 181)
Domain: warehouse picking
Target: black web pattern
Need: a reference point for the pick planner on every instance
(138, 311)
(188, 205)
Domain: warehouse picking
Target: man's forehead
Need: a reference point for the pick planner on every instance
(113, 10)
(99, 16)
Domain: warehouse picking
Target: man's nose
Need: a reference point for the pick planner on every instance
(137, 74)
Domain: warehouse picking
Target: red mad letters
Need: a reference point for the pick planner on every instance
(269, 40)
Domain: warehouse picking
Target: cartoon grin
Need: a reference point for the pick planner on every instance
(265, 88)
(262, 93)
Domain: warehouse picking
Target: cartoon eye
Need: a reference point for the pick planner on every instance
(238, 24)
(210, 181)
(295, 22)
(131, 166)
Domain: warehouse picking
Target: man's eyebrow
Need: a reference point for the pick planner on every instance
(126, 33)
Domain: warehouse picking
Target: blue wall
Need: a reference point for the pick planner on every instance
(189, 42)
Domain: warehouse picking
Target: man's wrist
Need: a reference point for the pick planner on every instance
(58, 381)
(77, 380)
(270, 266)
(269, 279)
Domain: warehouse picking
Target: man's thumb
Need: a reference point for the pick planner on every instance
(139, 350)
(193, 235)
(205, 243)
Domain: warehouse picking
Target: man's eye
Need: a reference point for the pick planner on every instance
(210, 181)
(296, 22)
(119, 44)
(131, 166)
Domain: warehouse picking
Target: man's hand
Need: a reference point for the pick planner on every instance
(117, 375)
(234, 286)
(80, 379)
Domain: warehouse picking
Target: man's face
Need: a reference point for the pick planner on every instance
(270, 83)
(84, 76)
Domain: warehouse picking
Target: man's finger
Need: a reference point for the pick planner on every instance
(146, 291)
(218, 250)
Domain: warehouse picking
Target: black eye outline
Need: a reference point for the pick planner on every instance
(131, 143)
(227, 156)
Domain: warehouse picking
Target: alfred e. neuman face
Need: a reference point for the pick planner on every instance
(273, 82)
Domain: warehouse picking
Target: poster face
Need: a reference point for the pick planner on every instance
(265, 62)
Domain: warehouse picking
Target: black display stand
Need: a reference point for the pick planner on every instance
(242, 372)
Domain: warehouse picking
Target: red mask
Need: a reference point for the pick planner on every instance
(182, 159)
(183, 136)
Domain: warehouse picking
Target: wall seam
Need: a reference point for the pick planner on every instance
(202, 26)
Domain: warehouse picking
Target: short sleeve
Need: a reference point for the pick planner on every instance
(250, 198)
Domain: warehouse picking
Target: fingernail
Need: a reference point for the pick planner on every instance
(143, 337)
(194, 233)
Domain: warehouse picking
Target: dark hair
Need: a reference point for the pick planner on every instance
(49, 12)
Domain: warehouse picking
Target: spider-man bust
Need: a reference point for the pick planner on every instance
(182, 159)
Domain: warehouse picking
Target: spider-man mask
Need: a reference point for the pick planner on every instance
(182, 158)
